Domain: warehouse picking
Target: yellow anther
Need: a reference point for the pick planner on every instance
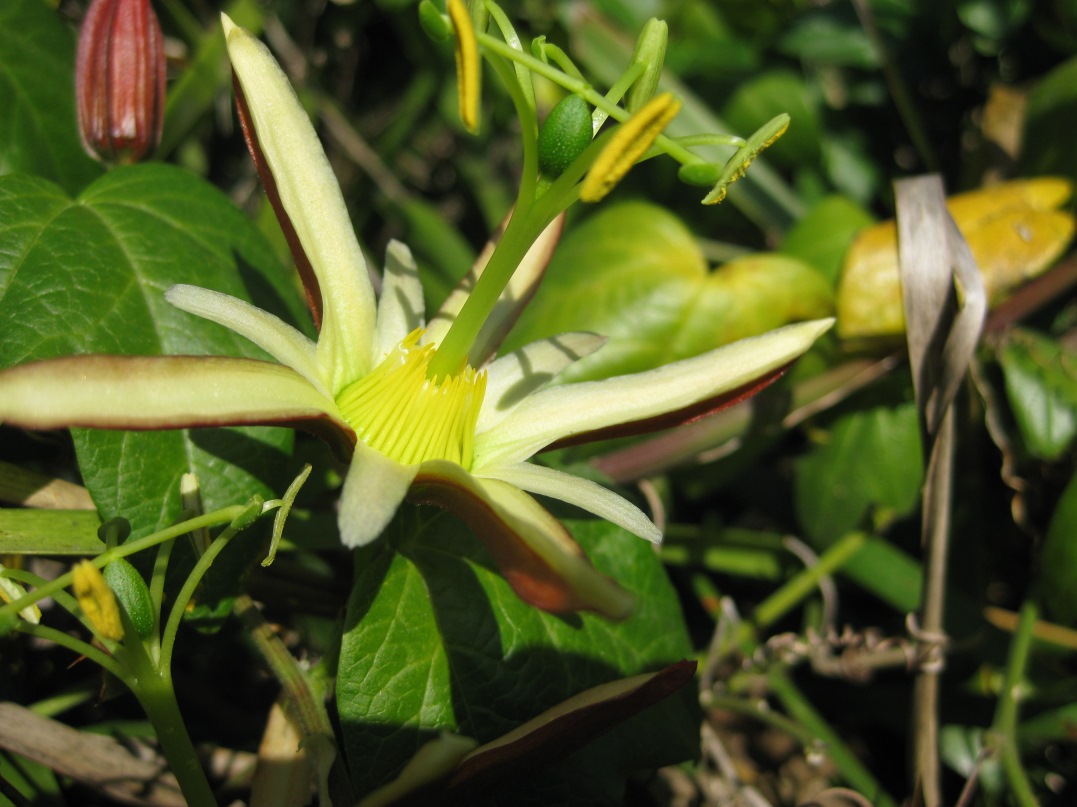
(468, 68)
(97, 601)
(627, 145)
(399, 412)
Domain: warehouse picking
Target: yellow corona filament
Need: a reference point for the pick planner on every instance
(97, 601)
(627, 145)
(468, 68)
(399, 412)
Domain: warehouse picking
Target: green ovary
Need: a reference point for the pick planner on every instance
(399, 412)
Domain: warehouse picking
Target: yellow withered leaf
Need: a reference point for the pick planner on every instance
(1015, 231)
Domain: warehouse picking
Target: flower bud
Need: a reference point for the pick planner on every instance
(651, 53)
(120, 80)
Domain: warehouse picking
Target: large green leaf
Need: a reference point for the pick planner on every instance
(823, 236)
(634, 273)
(1041, 386)
(436, 640)
(38, 132)
(1049, 121)
(870, 461)
(1058, 574)
(767, 95)
(88, 276)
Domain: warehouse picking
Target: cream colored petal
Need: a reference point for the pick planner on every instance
(573, 409)
(373, 490)
(513, 377)
(311, 196)
(534, 552)
(401, 307)
(158, 392)
(276, 337)
(576, 490)
(519, 291)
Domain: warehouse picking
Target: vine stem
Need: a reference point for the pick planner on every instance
(158, 698)
(222, 516)
(1004, 728)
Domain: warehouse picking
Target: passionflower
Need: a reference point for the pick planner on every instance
(462, 440)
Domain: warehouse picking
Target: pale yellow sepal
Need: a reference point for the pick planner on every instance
(627, 145)
(468, 67)
(312, 199)
(97, 601)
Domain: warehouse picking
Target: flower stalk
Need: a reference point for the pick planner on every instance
(143, 663)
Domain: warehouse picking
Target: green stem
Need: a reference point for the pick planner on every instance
(186, 592)
(76, 646)
(525, 112)
(803, 584)
(1004, 727)
(452, 353)
(850, 768)
(309, 709)
(581, 88)
(759, 710)
(153, 688)
(222, 516)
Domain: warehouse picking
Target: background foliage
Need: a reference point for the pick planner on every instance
(805, 685)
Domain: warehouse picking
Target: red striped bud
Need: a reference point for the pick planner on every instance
(120, 80)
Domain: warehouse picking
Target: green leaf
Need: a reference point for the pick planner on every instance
(759, 100)
(823, 236)
(1041, 386)
(1047, 140)
(88, 276)
(993, 19)
(1058, 565)
(38, 132)
(436, 640)
(49, 532)
(870, 460)
(634, 273)
(830, 36)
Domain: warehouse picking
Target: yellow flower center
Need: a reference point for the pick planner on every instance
(398, 411)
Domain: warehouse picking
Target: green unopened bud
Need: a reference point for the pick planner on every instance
(651, 53)
(133, 595)
(120, 80)
(565, 134)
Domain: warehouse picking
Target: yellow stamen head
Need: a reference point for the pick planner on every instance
(627, 145)
(468, 68)
(97, 601)
(399, 412)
